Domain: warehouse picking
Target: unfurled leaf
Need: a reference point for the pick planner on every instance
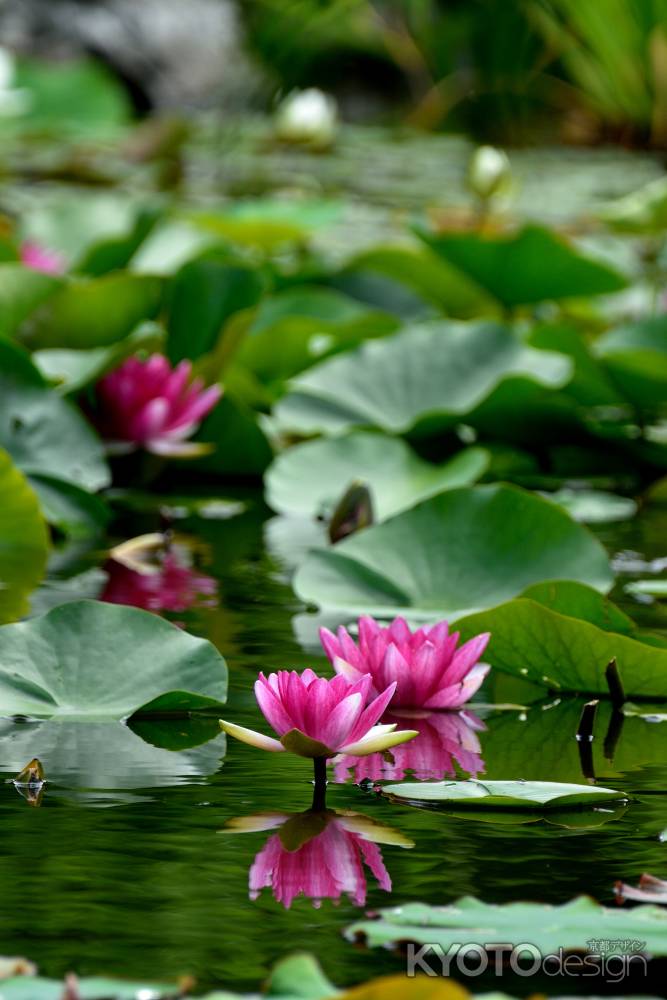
(306, 479)
(120, 661)
(464, 549)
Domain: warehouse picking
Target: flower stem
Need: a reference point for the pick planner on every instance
(319, 784)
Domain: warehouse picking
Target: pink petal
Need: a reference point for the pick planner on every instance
(272, 708)
(370, 716)
(341, 721)
(466, 657)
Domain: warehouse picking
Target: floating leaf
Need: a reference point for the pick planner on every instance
(204, 295)
(425, 378)
(569, 926)
(88, 988)
(46, 435)
(94, 312)
(107, 661)
(636, 357)
(502, 794)
(74, 511)
(594, 506)
(534, 642)
(241, 448)
(529, 266)
(23, 541)
(22, 290)
(308, 478)
(463, 549)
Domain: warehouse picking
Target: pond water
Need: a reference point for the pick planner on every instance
(128, 866)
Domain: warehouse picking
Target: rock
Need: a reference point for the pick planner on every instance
(170, 54)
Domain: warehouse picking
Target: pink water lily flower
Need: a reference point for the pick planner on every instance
(39, 258)
(151, 405)
(425, 665)
(319, 718)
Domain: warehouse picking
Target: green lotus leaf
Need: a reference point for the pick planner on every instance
(88, 659)
(423, 379)
(568, 926)
(501, 794)
(458, 551)
(525, 267)
(23, 541)
(566, 653)
(310, 478)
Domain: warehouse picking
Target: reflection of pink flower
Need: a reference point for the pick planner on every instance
(444, 738)
(316, 717)
(38, 258)
(324, 867)
(429, 671)
(152, 405)
(172, 586)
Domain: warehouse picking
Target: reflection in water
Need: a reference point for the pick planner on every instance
(319, 854)
(171, 585)
(30, 781)
(444, 738)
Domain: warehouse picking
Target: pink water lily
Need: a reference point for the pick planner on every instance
(319, 718)
(445, 739)
(427, 668)
(39, 258)
(151, 405)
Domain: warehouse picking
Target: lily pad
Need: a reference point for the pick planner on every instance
(529, 266)
(502, 794)
(23, 541)
(569, 926)
(88, 988)
(565, 653)
(310, 478)
(43, 433)
(90, 659)
(22, 290)
(594, 506)
(94, 312)
(636, 357)
(423, 379)
(463, 549)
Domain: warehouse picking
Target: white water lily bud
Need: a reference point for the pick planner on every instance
(308, 116)
(489, 171)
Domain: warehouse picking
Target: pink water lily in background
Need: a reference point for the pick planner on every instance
(173, 586)
(315, 717)
(39, 258)
(428, 667)
(445, 739)
(151, 405)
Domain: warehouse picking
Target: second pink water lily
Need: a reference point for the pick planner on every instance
(428, 667)
(315, 717)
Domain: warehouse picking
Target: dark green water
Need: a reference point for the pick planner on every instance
(124, 869)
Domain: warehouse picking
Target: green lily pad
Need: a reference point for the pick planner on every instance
(44, 433)
(94, 312)
(23, 541)
(310, 478)
(565, 653)
(460, 550)
(203, 296)
(636, 357)
(106, 754)
(569, 926)
(594, 506)
(88, 988)
(90, 659)
(73, 370)
(73, 511)
(502, 794)
(22, 290)
(423, 379)
(529, 266)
